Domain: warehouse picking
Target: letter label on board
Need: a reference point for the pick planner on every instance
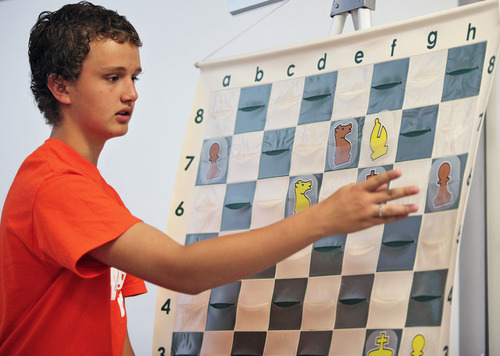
(393, 45)
(471, 30)
(259, 74)
(322, 63)
(432, 39)
(358, 57)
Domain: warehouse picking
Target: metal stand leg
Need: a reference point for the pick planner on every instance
(360, 10)
(362, 18)
(338, 24)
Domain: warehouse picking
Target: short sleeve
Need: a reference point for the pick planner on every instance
(133, 286)
(72, 215)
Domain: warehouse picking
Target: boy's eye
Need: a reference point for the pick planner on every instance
(112, 78)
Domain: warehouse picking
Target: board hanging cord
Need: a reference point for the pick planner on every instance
(243, 32)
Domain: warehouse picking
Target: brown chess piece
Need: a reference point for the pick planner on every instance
(213, 170)
(443, 196)
(372, 174)
(342, 145)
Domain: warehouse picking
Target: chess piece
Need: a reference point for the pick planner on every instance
(213, 170)
(378, 140)
(302, 202)
(381, 351)
(372, 174)
(443, 196)
(418, 345)
(342, 145)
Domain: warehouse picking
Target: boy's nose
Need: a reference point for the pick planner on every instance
(130, 93)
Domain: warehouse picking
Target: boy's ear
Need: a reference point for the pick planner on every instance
(57, 86)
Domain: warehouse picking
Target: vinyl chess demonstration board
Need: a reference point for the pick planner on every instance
(261, 152)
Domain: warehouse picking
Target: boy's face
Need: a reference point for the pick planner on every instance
(102, 98)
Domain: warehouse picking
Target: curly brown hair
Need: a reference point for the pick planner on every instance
(60, 41)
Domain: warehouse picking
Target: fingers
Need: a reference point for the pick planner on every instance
(378, 185)
(388, 212)
(383, 196)
(376, 182)
(382, 188)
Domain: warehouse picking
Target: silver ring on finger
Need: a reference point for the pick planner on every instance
(380, 210)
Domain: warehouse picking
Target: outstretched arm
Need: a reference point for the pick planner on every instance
(148, 253)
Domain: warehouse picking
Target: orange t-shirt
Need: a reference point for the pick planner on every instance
(55, 300)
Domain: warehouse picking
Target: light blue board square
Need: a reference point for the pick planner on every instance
(318, 97)
(417, 133)
(388, 85)
(237, 210)
(276, 154)
(252, 108)
(464, 69)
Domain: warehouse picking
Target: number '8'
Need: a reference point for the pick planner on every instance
(199, 116)
(492, 64)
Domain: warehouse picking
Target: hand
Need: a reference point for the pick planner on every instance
(358, 206)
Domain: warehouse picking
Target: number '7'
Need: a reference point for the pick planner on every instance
(190, 158)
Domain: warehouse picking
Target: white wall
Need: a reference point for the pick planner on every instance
(176, 34)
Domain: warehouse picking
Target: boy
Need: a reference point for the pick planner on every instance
(65, 235)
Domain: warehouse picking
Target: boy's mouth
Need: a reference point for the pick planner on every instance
(125, 112)
(124, 115)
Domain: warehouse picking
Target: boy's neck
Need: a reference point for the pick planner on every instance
(88, 150)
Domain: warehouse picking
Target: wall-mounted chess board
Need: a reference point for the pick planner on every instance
(273, 133)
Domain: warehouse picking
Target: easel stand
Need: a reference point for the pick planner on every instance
(360, 10)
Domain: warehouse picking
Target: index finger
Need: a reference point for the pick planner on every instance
(374, 182)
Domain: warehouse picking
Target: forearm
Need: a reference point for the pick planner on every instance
(151, 255)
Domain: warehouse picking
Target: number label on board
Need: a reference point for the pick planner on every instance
(180, 210)
(166, 306)
(199, 116)
(190, 160)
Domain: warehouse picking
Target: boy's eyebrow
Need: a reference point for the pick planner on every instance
(122, 69)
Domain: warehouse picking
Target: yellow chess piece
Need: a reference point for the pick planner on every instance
(418, 345)
(378, 140)
(381, 341)
(302, 202)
